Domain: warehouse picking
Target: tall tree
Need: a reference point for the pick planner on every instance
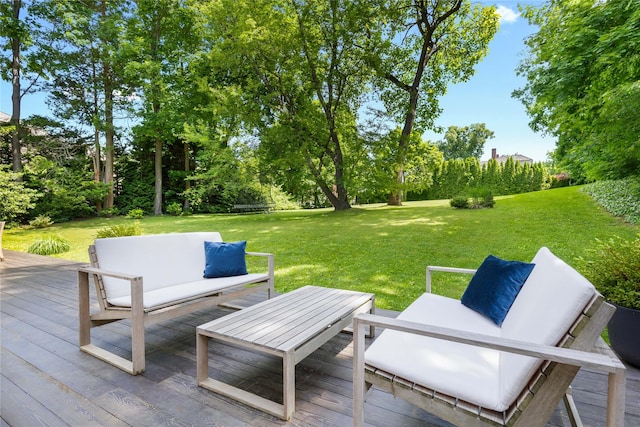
(19, 32)
(86, 83)
(161, 40)
(464, 142)
(417, 48)
(303, 82)
(583, 74)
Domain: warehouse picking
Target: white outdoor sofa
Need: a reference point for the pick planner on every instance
(152, 278)
(462, 367)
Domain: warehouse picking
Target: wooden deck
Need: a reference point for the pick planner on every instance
(46, 380)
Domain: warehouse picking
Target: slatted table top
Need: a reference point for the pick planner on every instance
(286, 322)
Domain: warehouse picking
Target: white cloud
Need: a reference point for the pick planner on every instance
(507, 15)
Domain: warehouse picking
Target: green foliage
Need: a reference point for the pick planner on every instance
(281, 201)
(410, 73)
(174, 209)
(41, 221)
(578, 87)
(15, 199)
(621, 197)
(136, 213)
(108, 212)
(459, 202)
(479, 200)
(120, 230)
(49, 245)
(455, 177)
(613, 266)
(464, 142)
(68, 192)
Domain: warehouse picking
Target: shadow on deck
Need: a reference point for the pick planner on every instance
(46, 380)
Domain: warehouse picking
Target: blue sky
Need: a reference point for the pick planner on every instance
(485, 98)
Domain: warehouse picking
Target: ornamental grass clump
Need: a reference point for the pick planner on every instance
(49, 245)
(120, 230)
(614, 269)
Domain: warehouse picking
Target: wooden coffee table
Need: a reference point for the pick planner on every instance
(290, 326)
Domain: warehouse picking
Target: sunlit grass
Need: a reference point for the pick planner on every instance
(382, 249)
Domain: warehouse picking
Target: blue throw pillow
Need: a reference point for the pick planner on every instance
(495, 286)
(224, 259)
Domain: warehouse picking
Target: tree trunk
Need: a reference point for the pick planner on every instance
(429, 48)
(108, 115)
(16, 97)
(187, 181)
(157, 201)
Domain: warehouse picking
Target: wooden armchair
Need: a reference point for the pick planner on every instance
(457, 365)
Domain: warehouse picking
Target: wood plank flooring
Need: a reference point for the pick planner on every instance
(46, 381)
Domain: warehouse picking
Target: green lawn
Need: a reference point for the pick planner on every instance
(381, 249)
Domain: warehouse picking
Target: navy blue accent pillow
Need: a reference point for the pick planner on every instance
(224, 259)
(495, 286)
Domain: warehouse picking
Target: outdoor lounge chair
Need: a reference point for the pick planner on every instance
(464, 368)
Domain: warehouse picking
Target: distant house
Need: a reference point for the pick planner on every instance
(4, 118)
(501, 159)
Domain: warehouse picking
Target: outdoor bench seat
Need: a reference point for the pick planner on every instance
(153, 278)
(464, 368)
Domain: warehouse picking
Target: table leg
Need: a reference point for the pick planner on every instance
(202, 357)
(288, 384)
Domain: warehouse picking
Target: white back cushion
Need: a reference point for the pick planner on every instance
(161, 259)
(549, 303)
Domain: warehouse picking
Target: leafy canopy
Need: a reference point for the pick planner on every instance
(583, 83)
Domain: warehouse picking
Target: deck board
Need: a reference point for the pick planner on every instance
(46, 380)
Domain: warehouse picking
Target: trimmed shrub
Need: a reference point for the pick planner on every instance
(49, 245)
(109, 212)
(174, 209)
(120, 230)
(41, 221)
(620, 198)
(136, 213)
(459, 202)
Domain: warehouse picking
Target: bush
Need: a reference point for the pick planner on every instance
(615, 271)
(459, 202)
(120, 230)
(49, 245)
(41, 221)
(174, 209)
(620, 198)
(109, 212)
(136, 213)
(477, 201)
(15, 199)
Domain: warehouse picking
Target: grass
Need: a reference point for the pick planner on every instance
(382, 249)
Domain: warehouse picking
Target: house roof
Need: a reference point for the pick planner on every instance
(516, 158)
(4, 118)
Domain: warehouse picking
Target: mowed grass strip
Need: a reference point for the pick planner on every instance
(382, 249)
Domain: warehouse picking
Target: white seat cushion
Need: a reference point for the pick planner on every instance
(186, 291)
(460, 370)
(550, 301)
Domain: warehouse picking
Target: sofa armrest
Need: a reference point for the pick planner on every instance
(431, 268)
(270, 261)
(607, 363)
(134, 280)
(114, 274)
